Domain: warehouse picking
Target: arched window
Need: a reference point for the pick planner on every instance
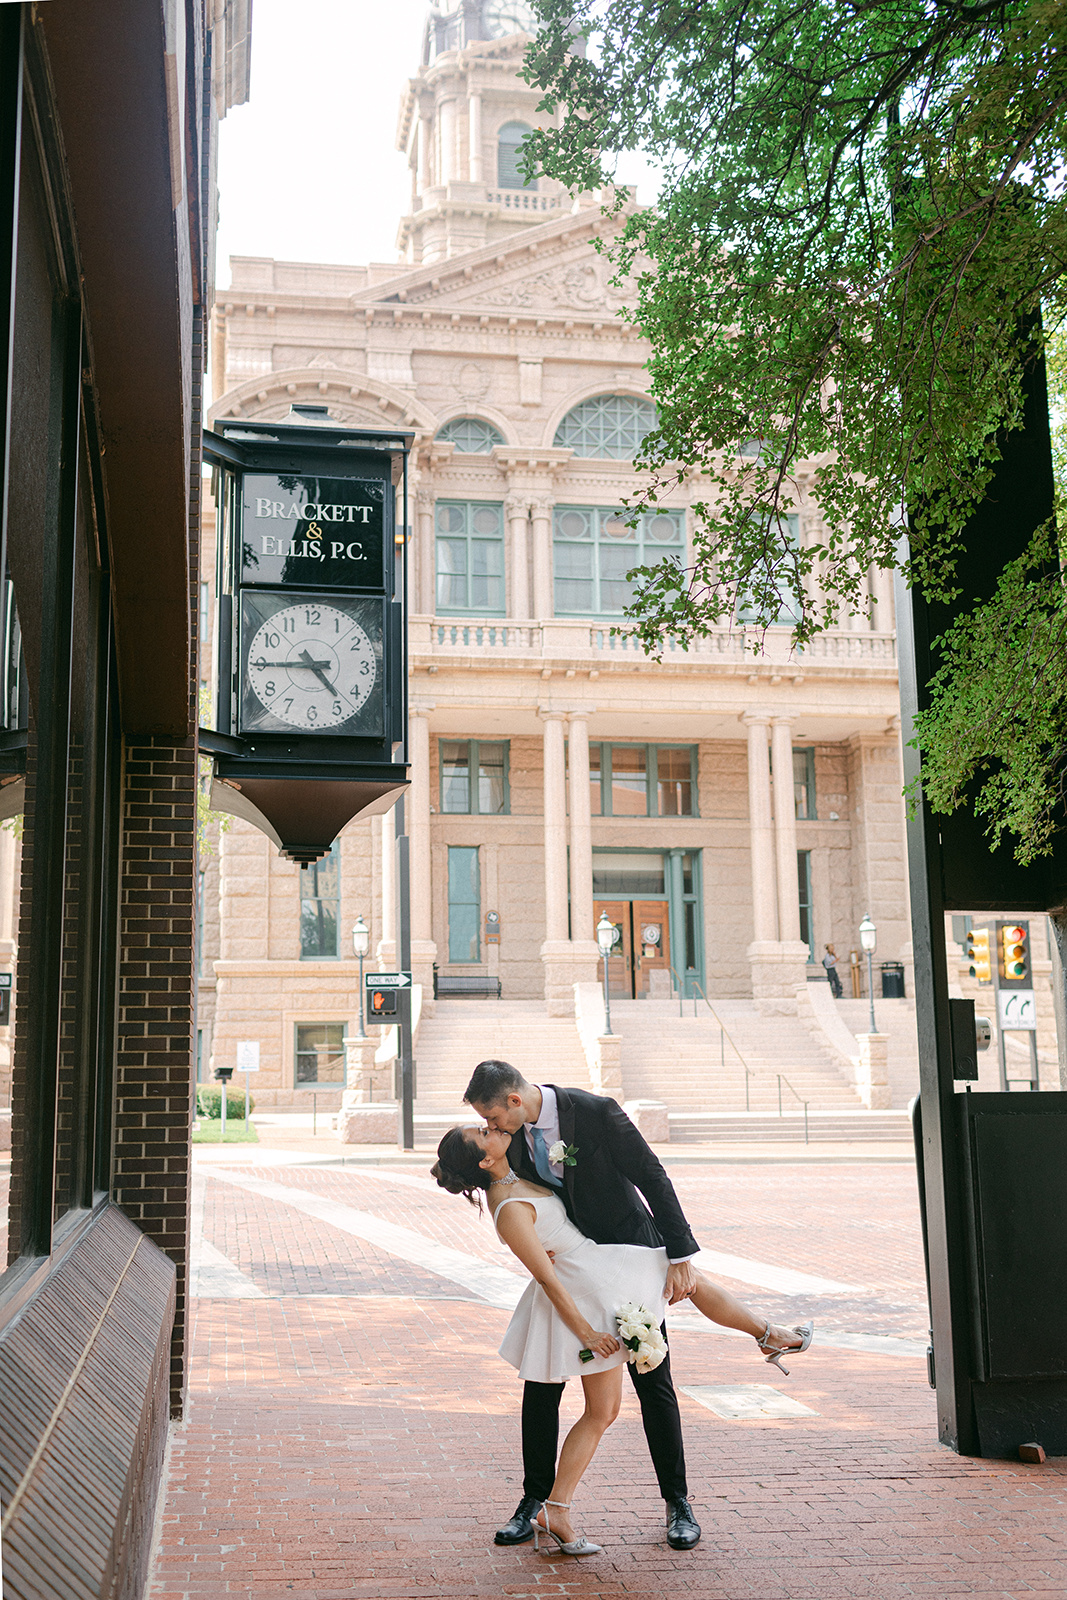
(508, 144)
(611, 425)
(470, 435)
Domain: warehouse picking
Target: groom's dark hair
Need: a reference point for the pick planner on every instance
(492, 1082)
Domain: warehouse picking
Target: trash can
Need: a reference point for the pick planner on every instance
(892, 980)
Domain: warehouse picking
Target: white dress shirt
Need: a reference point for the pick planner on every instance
(548, 1122)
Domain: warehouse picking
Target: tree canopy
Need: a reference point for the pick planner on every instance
(861, 235)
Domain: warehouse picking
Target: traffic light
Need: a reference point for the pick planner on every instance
(978, 954)
(1014, 952)
(382, 1003)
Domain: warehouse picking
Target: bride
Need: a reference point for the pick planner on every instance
(561, 1327)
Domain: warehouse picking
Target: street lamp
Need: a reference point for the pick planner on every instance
(361, 946)
(605, 938)
(869, 942)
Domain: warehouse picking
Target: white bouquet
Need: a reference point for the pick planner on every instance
(641, 1336)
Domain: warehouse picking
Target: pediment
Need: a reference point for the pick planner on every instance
(552, 267)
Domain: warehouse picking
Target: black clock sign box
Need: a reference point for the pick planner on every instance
(311, 715)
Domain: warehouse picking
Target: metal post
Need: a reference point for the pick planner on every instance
(225, 1097)
(1002, 1058)
(407, 1070)
(870, 988)
(362, 1029)
(607, 999)
(1035, 1073)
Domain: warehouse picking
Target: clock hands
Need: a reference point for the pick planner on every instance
(316, 668)
(313, 665)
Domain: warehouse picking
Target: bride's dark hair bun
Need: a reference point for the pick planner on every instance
(458, 1167)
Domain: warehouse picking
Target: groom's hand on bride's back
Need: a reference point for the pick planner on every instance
(681, 1281)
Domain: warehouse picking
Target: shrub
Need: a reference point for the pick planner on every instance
(209, 1102)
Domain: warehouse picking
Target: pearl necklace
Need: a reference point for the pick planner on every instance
(512, 1177)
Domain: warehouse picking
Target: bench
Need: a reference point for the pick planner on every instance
(465, 983)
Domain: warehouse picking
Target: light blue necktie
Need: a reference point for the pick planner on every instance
(544, 1171)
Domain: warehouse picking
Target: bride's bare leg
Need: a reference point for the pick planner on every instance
(603, 1394)
(719, 1305)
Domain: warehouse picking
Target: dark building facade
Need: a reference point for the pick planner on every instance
(107, 122)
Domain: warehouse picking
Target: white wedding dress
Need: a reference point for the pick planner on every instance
(600, 1277)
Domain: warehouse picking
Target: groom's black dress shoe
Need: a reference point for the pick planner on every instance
(521, 1527)
(683, 1529)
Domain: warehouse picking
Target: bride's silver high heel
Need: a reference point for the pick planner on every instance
(577, 1547)
(774, 1354)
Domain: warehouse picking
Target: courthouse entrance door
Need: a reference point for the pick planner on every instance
(644, 943)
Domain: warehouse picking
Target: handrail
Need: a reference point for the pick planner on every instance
(723, 1032)
(783, 1079)
(723, 1035)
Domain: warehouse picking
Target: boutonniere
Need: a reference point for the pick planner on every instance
(563, 1155)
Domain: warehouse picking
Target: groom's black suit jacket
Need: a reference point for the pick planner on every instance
(612, 1163)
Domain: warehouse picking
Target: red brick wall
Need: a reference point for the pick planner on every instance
(155, 1043)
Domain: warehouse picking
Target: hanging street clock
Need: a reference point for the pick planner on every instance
(310, 722)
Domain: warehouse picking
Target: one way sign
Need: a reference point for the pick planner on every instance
(386, 980)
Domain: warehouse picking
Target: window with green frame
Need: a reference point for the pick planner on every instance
(464, 904)
(643, 780)
(594, 549)
(320, 1054)
(778, 582)
(474, 777)
(804, 889)
(320, 906)
(804, 783)
(470, 557)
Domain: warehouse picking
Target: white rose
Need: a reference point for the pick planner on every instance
(557, 1151)
(651, 1362)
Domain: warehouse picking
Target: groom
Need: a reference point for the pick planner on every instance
(609, 1162)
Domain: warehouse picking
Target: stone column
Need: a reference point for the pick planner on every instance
(516, 510)
(446, 142)
(555, 828)
(543, 602)
(387, 943)
(883, 619)
(425, 153)
(423, 948)
(567, 962)
(761, 845)
(425, 554)
(581, 829)
(785, 829)
(475, 138)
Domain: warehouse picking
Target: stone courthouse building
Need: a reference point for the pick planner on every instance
(731, 811)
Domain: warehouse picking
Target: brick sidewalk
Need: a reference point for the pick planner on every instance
(363, 1441)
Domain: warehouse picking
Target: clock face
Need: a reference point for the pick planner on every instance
(311, 664)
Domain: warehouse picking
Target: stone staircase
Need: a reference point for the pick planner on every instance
(683, 1062)
(687, 1063)
(463, 1032)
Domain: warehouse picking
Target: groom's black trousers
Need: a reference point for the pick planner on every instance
(659, 1413)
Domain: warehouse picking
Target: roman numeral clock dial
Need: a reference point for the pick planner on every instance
(312, 665)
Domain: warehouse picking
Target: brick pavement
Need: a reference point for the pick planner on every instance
(362, 1445)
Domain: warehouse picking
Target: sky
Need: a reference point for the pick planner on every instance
(308, 169)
